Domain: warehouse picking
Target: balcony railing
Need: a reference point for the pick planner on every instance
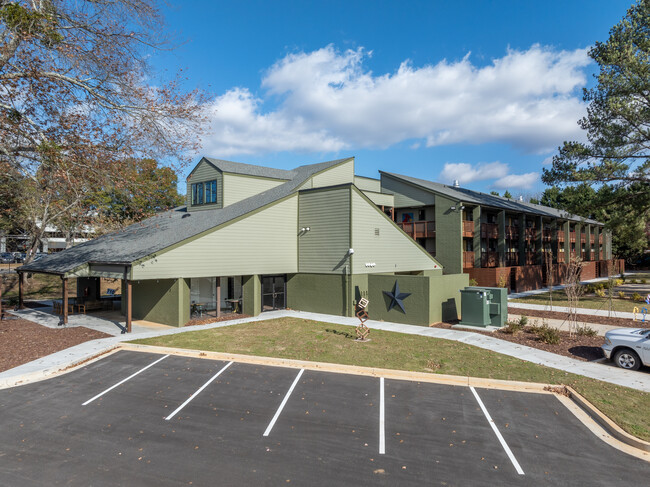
(489, 259)
(546, 234)
(592, 238)
(530, 233)
(512, 232)
(468, 228)
(560, 235)
(572, 236)
(468, 258)
(419, 229)
(489, 230)
(512, 258)
(530, 258)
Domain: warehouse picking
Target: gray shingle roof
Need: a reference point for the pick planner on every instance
(478, 198)
(166, 229)
(250, 169)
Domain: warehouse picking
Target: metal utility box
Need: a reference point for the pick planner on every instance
(484, 306)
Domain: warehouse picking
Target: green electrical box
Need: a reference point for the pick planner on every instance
(483, 306)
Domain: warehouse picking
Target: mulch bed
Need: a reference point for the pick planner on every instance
(22, 341)
(559, 315)
(579, 347)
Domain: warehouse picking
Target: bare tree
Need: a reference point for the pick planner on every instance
(550, 277)
(78, 98)
(574, 290)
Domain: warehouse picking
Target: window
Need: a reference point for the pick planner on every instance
(421, 215)
(204, 193)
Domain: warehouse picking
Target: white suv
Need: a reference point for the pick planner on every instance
(629, 347)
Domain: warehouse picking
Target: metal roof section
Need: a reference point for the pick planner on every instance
(169, 228)
(483, 199)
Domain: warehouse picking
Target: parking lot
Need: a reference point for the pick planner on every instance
(136, 418)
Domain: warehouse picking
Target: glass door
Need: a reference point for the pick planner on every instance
(273, 292)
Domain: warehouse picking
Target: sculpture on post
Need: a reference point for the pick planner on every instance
(362, 330)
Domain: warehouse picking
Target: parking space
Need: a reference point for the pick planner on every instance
(144, 419)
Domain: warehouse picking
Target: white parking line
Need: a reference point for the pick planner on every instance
(123, 381)
(496, 431)
(197, 392)
(382, 417)
(284, 401)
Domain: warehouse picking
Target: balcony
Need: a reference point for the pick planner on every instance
(572, 236)
(468, 228)
(560, 236)
(530, 258)
(530, 233)
(419, 229)
(512, 258)
(489, 259)
(489, 230)
(512, 232)
(468, 259)
(546, 235)
(592, 238)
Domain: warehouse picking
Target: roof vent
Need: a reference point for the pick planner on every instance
(521, 198)
(456, 184)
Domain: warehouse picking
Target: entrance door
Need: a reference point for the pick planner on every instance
(273, 292)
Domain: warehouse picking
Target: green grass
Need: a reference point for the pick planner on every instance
(325, 342)
(589, 302)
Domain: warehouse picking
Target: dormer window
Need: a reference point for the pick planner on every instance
(204, 193)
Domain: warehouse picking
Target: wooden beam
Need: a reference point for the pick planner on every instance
(2, 282)
(21, 302)
(129, 307)
(65, 300)
(218, 297)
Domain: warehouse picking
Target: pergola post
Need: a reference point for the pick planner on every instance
(129, 307)
(21, 302)
(65, 300)
(2, 282)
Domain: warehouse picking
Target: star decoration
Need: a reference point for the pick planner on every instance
(396, 298)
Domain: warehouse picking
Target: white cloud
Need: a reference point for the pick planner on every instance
(517, 181)
(466, 173)
(326, 100)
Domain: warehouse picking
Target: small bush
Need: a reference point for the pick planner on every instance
(473, 282)
(586, 331)
(523, 320)
(636, 297)
(621, 295)
(633, 281)
(618, 282)
(643, 281)
(549, 335)
(600, 293)
(512, 327)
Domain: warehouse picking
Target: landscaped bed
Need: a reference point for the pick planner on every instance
(300, 339)
(582, 318)
(22, 341)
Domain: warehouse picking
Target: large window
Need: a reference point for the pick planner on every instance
(204, 193)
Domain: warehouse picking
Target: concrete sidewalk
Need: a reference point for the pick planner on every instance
(41, 368)
(563, 325)
(582, 311)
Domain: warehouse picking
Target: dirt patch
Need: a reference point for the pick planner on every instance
(558, 315)
(579, 347)
(22, 341)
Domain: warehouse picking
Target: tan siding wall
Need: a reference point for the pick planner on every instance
(263, 243)
(237, 188)
(405, 194)
(367, 184)
(341, 174)
(323, 249)
(205, 172)
(306, 185)
(391, 251)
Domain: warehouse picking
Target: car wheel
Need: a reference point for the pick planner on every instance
(627, 359)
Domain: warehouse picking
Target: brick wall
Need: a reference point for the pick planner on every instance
(588, 271)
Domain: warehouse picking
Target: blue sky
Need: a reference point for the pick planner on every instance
(480, 91)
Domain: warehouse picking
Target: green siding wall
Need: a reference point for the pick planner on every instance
(204, 171)
(449, 236)
(323, 249)
(377, 240)
(405, 194)
(262, 243)
(318, 293)
(163, 301)
(367, 184)
(252, 295)
(237, 188)
(380, 199)
(340, 174)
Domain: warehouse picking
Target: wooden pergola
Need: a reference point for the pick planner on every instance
(65, 296)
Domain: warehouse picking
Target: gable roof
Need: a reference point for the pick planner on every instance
(166, 229)
(248, 169)
(476, 197)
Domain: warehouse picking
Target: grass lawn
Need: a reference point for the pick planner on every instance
(299, 339)
(589, 302)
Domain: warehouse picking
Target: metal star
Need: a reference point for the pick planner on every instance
(396, 297)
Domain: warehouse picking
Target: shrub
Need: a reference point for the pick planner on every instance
(502, 281)
(643, 281)
(621, 295)
(473, 282)
(636, 297)
(618, 282)
(586, 331)
(512, 327)
(523, 320)
(546, 334)
(600, 293)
